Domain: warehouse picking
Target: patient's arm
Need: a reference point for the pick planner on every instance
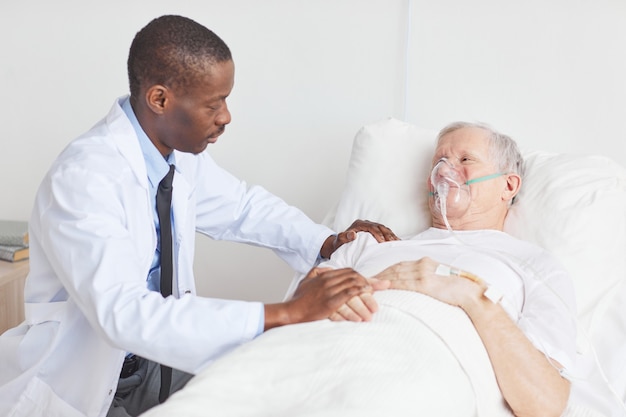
(529, 382)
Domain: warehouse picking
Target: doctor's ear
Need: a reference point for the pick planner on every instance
(157, 97)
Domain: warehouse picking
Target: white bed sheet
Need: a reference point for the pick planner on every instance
(417, 357)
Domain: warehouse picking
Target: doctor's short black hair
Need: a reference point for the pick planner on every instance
(172, 50)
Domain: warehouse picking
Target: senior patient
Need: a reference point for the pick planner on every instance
(517, 296)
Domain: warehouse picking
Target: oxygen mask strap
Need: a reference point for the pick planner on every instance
(484, 178)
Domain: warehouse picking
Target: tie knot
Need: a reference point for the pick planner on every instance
(166, 182)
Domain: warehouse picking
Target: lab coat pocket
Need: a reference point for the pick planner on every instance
(37, 344)
(23, 348)
(39, 400)
(43, 323)
(24, 351)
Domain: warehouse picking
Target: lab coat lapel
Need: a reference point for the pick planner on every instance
(126, 141)
(122, 132)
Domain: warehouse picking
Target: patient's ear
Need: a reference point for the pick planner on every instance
(513, 185)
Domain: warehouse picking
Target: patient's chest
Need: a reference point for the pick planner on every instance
(495, 267)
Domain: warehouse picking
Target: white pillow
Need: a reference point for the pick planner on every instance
(386, 179)
(575, 206)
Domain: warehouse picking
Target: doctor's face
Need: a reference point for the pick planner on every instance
(197, 114)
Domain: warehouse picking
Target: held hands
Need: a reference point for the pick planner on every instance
(339, 294)
(380, 232)
(360, 307)
(321, 293)
(426, 276)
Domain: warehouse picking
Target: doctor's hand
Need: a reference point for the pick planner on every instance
(320, 294)
(380, 232)
(442, 282)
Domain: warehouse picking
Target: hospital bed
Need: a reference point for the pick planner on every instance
(417, 356)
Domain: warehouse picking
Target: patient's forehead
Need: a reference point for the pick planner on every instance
(463, 141)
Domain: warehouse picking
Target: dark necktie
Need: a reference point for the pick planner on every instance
(164, 204)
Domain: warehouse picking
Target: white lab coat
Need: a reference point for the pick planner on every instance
(92, 241)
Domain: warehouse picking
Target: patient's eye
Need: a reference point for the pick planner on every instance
(465, 159)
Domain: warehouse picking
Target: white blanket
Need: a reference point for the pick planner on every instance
(417, 357)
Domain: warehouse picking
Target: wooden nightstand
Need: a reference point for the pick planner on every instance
(12, 277)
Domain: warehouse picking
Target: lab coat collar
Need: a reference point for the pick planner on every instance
(121, 130)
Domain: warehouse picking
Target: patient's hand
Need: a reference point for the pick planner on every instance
(361, 307)
(421, 276)
(407, 275)
(380, 232)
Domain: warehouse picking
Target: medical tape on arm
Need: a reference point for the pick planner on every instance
(491, 292)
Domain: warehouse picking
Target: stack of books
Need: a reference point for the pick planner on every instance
(13, 240)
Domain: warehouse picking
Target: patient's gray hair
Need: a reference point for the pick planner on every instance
(504, 151)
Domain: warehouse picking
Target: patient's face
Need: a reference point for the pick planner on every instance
(468, 151)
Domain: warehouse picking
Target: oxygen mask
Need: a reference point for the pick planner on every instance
(450, 188)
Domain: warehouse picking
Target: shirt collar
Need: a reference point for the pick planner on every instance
(156, 165)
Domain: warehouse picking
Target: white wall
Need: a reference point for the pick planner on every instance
(552, 74)
(309, 73)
